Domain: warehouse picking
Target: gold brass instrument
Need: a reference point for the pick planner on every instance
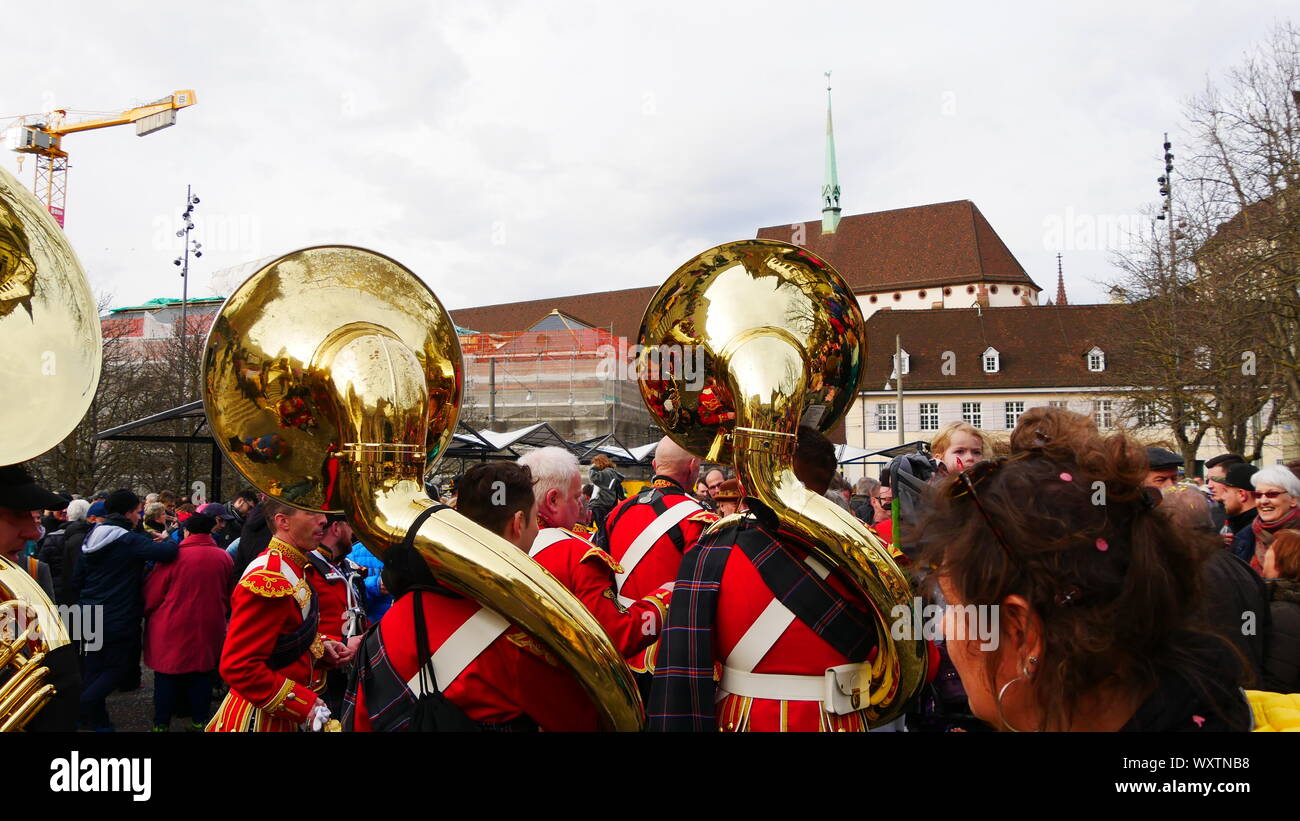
(332, 379)
(50, 357)
(784, 343)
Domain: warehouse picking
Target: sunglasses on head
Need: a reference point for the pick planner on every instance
(965, 484)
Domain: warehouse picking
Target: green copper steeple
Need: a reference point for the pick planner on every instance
(831, 185)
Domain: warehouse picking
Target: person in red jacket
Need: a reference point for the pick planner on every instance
(185, 607)
(274, 655)
(338, 583)
(648, 533)
(588, 571)
(493, 673)
(771, 622)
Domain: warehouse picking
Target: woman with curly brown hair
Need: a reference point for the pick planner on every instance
(1282, 570)
(1097, 597)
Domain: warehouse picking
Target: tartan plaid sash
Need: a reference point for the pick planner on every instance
(682, 694)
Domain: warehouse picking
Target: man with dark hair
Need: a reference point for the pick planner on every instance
(1216, 468)
(275, 652)
(338, 582)
(494, 675)
(778, 622)
(814, 460)
(109, 576)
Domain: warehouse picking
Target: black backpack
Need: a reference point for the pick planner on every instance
(433, 713)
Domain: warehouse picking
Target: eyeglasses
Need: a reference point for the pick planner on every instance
(1269, 494)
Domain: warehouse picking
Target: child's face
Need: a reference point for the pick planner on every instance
(963, 451)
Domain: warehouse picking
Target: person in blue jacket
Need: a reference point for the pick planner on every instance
(378, 599)
(110, 577)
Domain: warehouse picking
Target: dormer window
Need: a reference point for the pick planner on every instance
(907, 364)
(992, 361)
(1096, 360)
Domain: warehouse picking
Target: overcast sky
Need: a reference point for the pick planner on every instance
(508, 151)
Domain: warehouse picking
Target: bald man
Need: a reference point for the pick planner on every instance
(648, 533)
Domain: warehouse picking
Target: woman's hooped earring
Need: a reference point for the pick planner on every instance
(1024, 676)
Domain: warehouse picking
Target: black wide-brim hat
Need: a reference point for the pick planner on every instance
(19, 491)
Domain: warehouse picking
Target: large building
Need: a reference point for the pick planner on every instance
(987, 366)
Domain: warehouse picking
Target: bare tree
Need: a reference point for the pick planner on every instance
(1214, 289)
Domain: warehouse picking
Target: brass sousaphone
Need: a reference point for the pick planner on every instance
(783, 343)
(332, 378)
(50, 358)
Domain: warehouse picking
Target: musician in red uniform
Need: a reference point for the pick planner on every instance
(337, 581)
(771, 619)
(588, 571)
(648, 533)
(496, 676)
(275, 654)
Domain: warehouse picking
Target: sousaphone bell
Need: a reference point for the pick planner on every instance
(332, 380)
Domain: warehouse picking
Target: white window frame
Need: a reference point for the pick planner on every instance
(1013, 412)
(991, 360)
(907, 363)
(886, 416)
(1096, 360)
(929, 413)
(973, 413)
(1103, 413)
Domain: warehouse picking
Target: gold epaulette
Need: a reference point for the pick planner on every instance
(707, 517)
(267, 583)
(597, 553)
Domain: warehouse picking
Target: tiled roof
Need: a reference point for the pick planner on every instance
(1040, 346)
(947, 243)
(621, 309)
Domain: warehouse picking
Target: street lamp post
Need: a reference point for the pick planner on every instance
(183, 262)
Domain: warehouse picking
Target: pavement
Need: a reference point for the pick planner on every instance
(133, 712)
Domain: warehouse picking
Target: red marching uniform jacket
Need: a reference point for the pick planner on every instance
(662, 522)
(589, 572)
(735, 657)
(494, 672)
(337, 597)
(271, 656)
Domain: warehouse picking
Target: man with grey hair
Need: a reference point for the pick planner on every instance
(583, 568)
(61, 549)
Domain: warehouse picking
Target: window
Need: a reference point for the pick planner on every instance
(1202, 355)
(972, 413)
(991, 360)
(907, 364)
(886, 416)
(1096, 360)
(1101, 413)
(1058, 403)
(1144, 416)
(929, 416)
(1013, 411)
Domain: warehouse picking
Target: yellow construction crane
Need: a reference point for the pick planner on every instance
(45, 141)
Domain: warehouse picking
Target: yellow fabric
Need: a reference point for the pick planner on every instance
(1275, 712)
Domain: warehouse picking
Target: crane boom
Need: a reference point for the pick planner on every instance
(45, 140)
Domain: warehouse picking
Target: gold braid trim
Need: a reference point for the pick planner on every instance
(597, 553)
(277, 701)
(288, 551)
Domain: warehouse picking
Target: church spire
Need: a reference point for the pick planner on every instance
(1060, 283)
(831, 184)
